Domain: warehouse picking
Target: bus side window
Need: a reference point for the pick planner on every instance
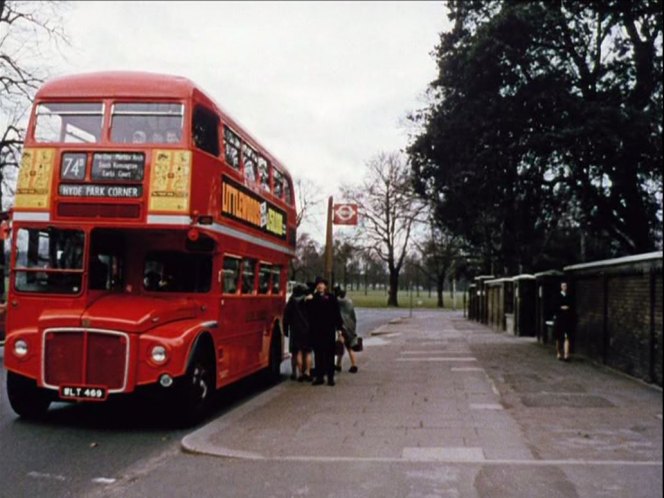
(288, 191)
(249, 158)
(264, 172)
(278, 180)
(231, 148)
(204, 129)
(276, 279)
(264, 279)
(248, 276)
(231, 275)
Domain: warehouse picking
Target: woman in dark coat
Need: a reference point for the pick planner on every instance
(324, 321)
(563, 323)
(296, 327)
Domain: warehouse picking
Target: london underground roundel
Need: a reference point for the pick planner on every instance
(345, 214)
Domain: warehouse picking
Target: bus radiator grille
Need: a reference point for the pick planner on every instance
(71, 358)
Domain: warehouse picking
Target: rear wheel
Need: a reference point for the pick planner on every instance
(195, 389)
(25, 398)
(273, 372)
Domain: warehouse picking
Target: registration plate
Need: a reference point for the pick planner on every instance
(86, 393)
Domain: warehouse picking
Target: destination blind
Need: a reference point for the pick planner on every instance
(110, 191)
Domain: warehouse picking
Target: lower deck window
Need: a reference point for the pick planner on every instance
(264, 279)
(231, 275)
(248, 276)
(49, 260)
(276, 279)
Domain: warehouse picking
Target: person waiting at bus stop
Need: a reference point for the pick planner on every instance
(296, 328)
(348, 333)
(563, 323)
(324, 321)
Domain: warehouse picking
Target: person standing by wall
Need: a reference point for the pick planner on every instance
(563, 323)
(296, 327)
(324, 321)
(349, 332)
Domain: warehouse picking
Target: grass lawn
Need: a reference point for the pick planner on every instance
(378, 299)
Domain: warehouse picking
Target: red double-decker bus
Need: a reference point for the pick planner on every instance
(151, 236)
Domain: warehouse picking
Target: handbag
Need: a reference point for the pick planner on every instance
(358, 346)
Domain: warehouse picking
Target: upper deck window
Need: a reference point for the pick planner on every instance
(250, 158)
(264, 172)
(288, 191)
(232, 148)
(205, 130)
(145, 122)
(278, 180)
(69, 122)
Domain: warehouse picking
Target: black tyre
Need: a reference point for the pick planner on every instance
(273, 372)
(195, 390)
(25, 398)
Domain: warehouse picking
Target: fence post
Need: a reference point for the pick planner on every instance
(605, 318)
(653, 352)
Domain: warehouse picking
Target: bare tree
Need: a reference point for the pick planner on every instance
(28, 33)
(346, 253)
(308, 261)
(389, 210)
(439, 250)
(308, 198)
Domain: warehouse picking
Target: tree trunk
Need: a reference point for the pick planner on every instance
(440, 285)
(392, 299)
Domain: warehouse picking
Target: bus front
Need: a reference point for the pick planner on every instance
(109, 289)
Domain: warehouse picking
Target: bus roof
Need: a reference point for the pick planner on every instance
(111, 84)
(132, 84)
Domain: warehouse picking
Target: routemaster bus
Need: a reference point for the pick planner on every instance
(151, 236)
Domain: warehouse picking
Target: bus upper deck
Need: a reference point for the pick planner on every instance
(145, 149)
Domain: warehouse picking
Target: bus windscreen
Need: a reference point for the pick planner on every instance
(69, 122)
(144, 122)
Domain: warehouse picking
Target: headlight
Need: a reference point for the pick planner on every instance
(20, 348)
(158, 354)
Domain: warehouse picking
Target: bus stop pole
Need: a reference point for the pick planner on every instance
(329, 244)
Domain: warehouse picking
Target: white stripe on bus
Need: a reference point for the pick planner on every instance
(162, 219)
(232, 232)
(27, 216)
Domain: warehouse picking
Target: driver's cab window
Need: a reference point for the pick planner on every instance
(106, 264)
(106, 272)
(175, 271)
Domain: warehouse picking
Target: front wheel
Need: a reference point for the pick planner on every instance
(25, 398)
(195, 389)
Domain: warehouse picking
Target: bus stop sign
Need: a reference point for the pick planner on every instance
(345, 214)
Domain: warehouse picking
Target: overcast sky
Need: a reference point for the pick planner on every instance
(323, 85)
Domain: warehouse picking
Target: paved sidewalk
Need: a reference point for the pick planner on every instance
(472, 411)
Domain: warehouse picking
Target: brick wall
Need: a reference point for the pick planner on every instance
(629, 324)
(618, 306)
(589, 309)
